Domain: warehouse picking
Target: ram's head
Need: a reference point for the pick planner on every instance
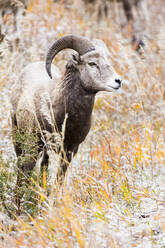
(92, 62)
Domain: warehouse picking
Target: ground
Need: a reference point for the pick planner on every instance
(114, 193)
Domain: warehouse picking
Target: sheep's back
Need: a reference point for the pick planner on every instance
(32, 94)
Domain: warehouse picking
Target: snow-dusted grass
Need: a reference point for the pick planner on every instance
(114, 193)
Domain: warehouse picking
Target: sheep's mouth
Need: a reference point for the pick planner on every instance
(114, 86)
(117, 87)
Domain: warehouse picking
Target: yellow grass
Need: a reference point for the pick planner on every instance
(114, 190)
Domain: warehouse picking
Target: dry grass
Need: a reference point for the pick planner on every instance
(114, 193)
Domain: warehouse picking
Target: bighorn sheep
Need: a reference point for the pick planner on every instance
(41, 99)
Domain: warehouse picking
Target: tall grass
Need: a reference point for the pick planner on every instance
(114, 192)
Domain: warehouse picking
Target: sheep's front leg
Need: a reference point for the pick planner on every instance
(62, 171)
(64, 163)
(54, 163)
(56, 169)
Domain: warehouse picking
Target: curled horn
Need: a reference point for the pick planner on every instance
(80, 44)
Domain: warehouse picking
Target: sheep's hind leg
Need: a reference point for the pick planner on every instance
(26, 161)
(24, 171)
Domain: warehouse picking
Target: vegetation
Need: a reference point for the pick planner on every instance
(114, 190)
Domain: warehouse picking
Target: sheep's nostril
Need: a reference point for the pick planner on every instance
(118, 81)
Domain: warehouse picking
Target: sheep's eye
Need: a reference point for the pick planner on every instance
(92, 64)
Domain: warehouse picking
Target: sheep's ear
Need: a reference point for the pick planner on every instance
(76, 58)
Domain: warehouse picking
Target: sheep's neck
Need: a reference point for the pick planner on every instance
(77, 103)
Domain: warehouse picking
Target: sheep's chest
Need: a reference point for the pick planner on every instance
(78, 120)
(77, 128)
